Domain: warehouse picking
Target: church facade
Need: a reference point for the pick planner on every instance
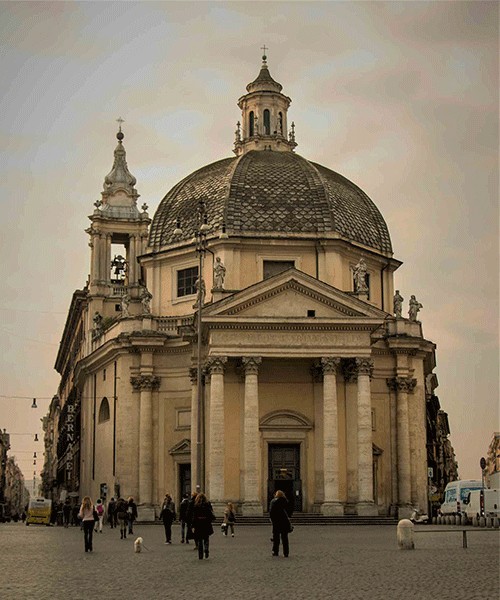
(247, 338)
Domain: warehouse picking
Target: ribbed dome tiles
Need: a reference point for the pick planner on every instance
(271, 192)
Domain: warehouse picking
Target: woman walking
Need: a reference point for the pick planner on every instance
(229, 518)
(121, 513)
(203, 515)
(86, 515)
(279, 511)
(99, 507)
(167, 515)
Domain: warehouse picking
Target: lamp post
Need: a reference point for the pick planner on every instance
(201, 249)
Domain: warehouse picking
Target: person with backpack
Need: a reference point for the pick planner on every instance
(167, 515)
(229, 519)
(183, 518)
(99, 507)
(122, 513)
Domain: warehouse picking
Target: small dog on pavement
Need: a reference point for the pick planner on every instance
(138, 545)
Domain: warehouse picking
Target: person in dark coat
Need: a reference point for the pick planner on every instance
(183, 518)
(132, 515)
(112, 518)
(203, 516)
(279, 513)
(67, 512)
(167, 515)
(189, 517)
(122, 514)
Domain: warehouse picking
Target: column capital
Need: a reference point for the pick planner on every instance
(215, 365)
(330, 364)
(401, 384)
(145, 382)
(364, 366)
(251, 364)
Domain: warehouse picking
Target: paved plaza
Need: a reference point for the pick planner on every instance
(341, 562)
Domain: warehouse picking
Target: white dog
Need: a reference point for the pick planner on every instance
(138, 545)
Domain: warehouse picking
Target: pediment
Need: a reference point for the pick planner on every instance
(284, 420)
(182, 447)
(292, 294)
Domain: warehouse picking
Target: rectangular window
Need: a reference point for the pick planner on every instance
(183, 418)
(273, 267)
(185, 281)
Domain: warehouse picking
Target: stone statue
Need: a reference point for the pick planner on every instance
(360, 277)
(199, 285)
(415, 306)
(97, 330)
(125, 304)
(398, 304)
(219, 274)
(146, 298)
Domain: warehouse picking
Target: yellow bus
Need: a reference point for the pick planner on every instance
(39, 511)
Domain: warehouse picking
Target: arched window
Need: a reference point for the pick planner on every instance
(251, 124)
(267, 122)
(104, 410)
(280, 123)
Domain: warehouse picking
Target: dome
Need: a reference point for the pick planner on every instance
(271, 193)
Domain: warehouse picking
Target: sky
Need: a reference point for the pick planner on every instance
(399, 97)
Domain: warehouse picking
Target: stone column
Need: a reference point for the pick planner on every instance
(216, 433)
(251, 501)
(132, 262)
(331, 504)
(365, 505)
(146, 384)
(402, 386)
(193, 375)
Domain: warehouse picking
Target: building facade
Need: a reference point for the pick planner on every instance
(248, 338)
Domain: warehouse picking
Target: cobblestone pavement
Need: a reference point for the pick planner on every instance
(341, 562)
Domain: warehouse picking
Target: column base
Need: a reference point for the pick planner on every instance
(366, 509)
(146, 513)
(332, 509)
(404, 511)
(252, 508)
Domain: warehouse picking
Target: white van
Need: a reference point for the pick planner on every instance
(456, 494)
(482, 503)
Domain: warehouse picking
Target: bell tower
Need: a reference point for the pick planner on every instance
(264, 110)
(118, 235)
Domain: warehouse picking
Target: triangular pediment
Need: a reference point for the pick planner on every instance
(183, 447)
(292, 295)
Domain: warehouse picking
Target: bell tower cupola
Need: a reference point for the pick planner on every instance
(118, 235)
(264, 121)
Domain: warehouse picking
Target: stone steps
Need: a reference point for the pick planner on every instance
(318, 519)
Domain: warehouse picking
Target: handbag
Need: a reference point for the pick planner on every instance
(96, 516)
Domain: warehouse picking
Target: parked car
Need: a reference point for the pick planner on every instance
(456, 494)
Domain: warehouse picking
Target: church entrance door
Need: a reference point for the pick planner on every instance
(184, 480)
(284, 473)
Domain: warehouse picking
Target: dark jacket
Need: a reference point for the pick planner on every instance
(203, 516)
(132, 511)
(183, 510)
(167, 514)
(278, 511)
(121, 509)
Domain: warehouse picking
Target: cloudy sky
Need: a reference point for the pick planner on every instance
(400, 97)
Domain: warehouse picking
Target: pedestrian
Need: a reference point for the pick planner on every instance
(183, 518)
(112, 513)
(167, 515)
(122, 513)
(203, 516)
(132, 514)
(75, 520)
(279, 514)
(229, 518)
(189, 516)
(87, 516)
(67, 512)
(99, 508)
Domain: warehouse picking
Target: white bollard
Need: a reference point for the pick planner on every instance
(496, 522)
(434, 520)
(475, 521)
(482, 521)
(405, 535)
(489, 522)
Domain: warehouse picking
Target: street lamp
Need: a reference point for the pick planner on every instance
(201, 245)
